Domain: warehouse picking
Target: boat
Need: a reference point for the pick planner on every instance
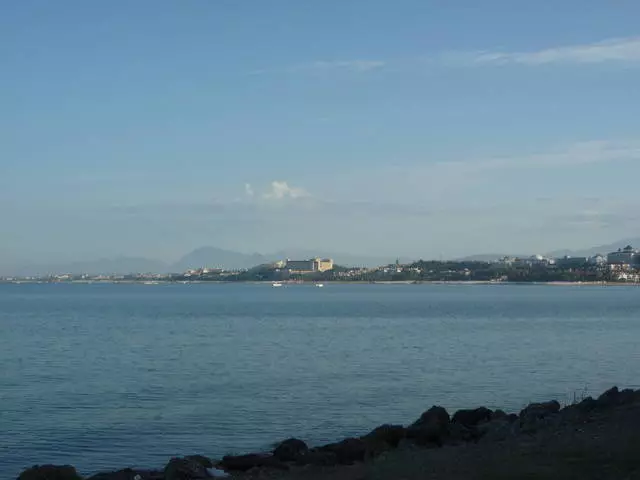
(319, 285)
(276, 284)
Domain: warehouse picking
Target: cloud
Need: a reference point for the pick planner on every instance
(281, 190)
(622, 50)
(248, 190)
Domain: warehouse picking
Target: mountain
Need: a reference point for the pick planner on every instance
(218, 258)
(602, 249)
(107, 266)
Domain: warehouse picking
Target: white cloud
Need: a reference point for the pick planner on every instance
(248, 190)
(281, 190)
(624, 50)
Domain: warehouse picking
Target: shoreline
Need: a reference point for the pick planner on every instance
(398, 451)
(312, 283)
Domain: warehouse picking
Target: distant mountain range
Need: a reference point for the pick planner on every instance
(589, 252)
(201, 257)
(228, 259)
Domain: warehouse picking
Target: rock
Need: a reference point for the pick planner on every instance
(499, 415)
(318, 457)
(614, 397)
(497, 430)
(242, 463)
(431, 428)
(129, 474)
(539, 415)
(388, 434)
(459, 433)
(185, 469)
(289, 450)
(539, 410)
(471, 418)
(201, 459)
(347, 451)
(50, 472)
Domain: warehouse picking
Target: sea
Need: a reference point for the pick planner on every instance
(107, 376)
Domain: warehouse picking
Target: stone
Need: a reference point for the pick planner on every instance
(614, 397)
(388, 434)
(185, 469)
(129, 474)
(243, 463)
(431, 428)
(290, 449)
(316, 457)
(348, 451)
(471, 418)
(539, 410)
(201, 459)
(459, 433)
(50, 472)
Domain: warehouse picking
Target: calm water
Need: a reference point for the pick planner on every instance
(104, 376)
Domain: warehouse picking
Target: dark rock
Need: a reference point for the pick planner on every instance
(499, 415)
(129, 474)
(201, 459)
(614, 397)
(471, 418)
(586, 405)
(389, 434)
(318, 457)
(497, 430)
(50, 472)
(539, 410)
(431, 428)
(242, 463)
(185, 469)
(347, 451)
(513, 417)
(289, 450)
(459, 433)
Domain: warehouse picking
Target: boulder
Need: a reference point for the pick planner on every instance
(50, 472)
(201, 459)
(539, 410)
(129, 474)
(186, 468)
(347, 451)
(290, 449)
(387, 434)
(318, 457)
(499, 415)
(431, 428)
(539, 415)
(614, 397)
(459, 433)
(471, 418)
(242, 463)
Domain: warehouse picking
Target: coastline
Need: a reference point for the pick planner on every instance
(590, 438)
(312, 283)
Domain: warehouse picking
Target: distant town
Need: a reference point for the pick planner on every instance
(621, 266)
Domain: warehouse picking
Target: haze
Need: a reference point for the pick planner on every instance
(410, 128)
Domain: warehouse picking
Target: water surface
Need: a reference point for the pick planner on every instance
(106, 376)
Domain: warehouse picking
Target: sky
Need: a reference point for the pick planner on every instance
(414, 128)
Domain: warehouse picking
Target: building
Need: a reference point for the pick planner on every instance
(624, 256)
(309, 266)
(571, 262)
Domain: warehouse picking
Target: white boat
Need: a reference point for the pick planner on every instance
(276, 284)
(319, 285)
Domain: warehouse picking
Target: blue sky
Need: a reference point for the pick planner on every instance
(414, 128)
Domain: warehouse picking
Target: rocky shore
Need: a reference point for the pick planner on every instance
(596, 438)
